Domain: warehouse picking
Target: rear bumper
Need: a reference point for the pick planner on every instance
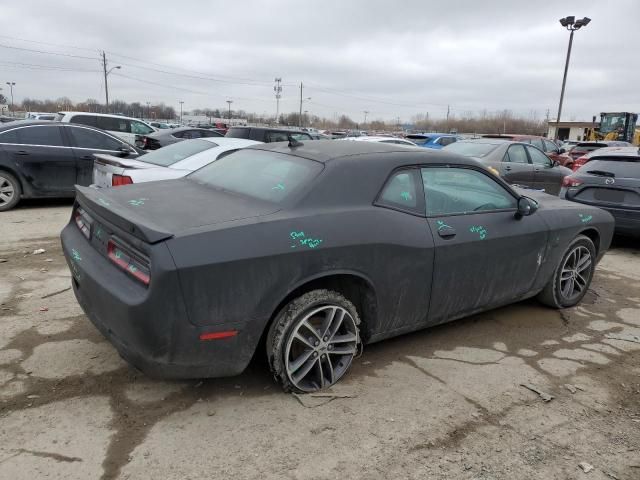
(148, 327)
(627, 221)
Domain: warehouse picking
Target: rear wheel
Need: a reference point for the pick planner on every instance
(313, 341)
(573, 275)
(10, 191)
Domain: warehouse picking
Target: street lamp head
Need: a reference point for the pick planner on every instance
(563, 22)
(586, 21)
(570, 19)
(118, 67)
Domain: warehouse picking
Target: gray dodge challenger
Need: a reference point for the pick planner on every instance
(314, 250)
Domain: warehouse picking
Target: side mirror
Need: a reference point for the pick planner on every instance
(555, 163)
(124, 151)
(526, 206)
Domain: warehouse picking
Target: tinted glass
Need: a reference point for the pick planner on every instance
(178, 134)
(176, 152)
(620, 167)
(301, 136)
(537, 142)
(258, 174)
(539, 158)
(471, 149)
(49, 136)
(238, 133)
(210, 133)
(418, 139)
(277, 137)
(400, 191)
(9, 137)
(450, 191)
(550, 147)
(89, 120)
(114, 124)
(92, 139)
(444, 141)
(140, 128)
(516, 154)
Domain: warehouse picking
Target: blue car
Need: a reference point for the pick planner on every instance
(433, 140)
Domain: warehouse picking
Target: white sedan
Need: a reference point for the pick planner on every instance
(381, 139)
(169, 162)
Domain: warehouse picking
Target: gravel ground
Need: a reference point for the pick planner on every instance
(442, 403)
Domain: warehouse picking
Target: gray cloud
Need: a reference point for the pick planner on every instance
(392, 59)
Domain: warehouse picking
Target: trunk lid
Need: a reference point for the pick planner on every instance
(105, 166)
(156, 211)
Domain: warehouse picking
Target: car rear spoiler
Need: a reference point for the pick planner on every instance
(107, 159)
(121, 216)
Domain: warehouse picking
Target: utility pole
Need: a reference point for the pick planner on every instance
(11, 85)
(448, 111)
(366, 112)
(148, 110)
(278, 89)
(106, 74)
(181, 102)
(229, 102)
(300, 117)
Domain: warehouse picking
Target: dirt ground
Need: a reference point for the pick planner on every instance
(442, 403)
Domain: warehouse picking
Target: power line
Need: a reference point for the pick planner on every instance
(33, 66)
(47, 53)
(47, 43)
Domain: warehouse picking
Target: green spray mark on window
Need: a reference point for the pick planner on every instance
(137, 202)
(99, 233)
(132, 269)
(118, 254)
(406, 196)
(76, 255)
(441, 225)
(480, 230)
(300, 239)
(585, 218)
(103, 202)
(279, 187)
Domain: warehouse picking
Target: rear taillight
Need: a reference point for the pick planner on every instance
(569, 182)
(120, 180)
(83, 221)
(134, 264)
(579, 162)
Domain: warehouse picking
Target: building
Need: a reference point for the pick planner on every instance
(576, 131)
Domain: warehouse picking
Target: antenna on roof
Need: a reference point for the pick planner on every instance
(293, 143)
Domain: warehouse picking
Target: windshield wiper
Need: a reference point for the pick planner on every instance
(601, 173)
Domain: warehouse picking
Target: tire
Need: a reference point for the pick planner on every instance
(573, 274)
(10, 191)
(313, 340)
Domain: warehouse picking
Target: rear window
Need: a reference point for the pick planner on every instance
(171, 154)
(238, 133)
(258, 174)
(619, 167)
(471, 149)
(418, 139)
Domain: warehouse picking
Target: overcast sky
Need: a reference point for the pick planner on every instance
(394, 59)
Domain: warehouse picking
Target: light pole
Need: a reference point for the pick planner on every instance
(229, 102)
(11, 85)
(571, 24)
(148, 110)
(366, 112)
(278, 90)
(181, 102)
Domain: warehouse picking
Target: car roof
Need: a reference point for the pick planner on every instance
(327, 151)
(489, 141)
(615, 152)
(111, 115)
(244, 127)
(34, 122)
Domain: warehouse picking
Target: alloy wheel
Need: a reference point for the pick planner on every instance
(321, 347)
(6, 191)
(575, 273)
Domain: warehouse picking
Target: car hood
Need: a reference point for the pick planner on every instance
(154, 211)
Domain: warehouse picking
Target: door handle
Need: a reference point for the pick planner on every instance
(22, 152)
(446, 231)
(87, 157)
(508, 168)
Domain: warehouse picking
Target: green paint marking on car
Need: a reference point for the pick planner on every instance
(137, 202)
(278, 187)
(132, 269)
(118, 254)
(102, 201)
(406, 196)
(585, 218)
(480, 230)
(441, 225)
(76, 255)
(99, 233)
(299, 238)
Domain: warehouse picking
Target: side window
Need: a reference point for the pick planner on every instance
(88, 120)
(114, 124)
(277, 137)
(516, 154)
(195, 133)
(451, 191)
(209, 133)
(9, 137)
(92, 139)
(178, 134)
(140, 128)
(400, 191)
(49, 136)
(550, 147)
(299, 136)
(444, 141)
(537, 142)
(539, 158)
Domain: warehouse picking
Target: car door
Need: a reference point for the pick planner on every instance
(545, 176)
(515, 167)
(44, 159)
(552, 151)
(484, 255)
(120, 127)
(87, 141)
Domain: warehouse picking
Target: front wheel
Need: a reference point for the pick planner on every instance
(313, 340)
(573, 275)
(10, 191)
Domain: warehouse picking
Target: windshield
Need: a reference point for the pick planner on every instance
(171, 154)
(258, 174)
(471, 149)
(612, 122)
(418, 139)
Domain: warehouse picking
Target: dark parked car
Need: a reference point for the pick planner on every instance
(46, 159)
(610, 180)
(316, 250)
(166, 137)
(577, 156)
(267, 135)
(548, 146)
(518, 163)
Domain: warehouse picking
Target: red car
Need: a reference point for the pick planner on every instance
(546, 145)
(577, 156)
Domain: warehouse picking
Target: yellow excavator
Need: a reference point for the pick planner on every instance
(616, 126)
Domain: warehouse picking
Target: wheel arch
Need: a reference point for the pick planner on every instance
(355, 286)
(24, 187)
(593, 235)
